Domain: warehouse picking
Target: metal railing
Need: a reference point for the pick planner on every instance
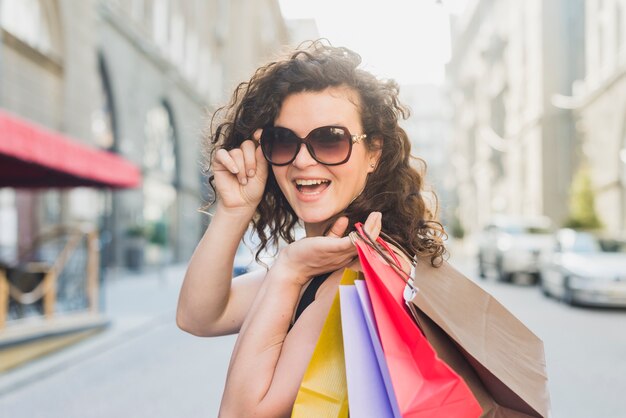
(58, 274)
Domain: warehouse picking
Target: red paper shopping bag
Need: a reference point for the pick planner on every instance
(424, 385)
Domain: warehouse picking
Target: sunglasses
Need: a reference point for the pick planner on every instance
(328, 145)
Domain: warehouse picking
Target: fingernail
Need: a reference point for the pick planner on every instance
(244, 181)
(250, 173)
(235, 169)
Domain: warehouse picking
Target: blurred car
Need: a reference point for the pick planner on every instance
(512, 246)
(244, 260)
(244, 257)
(578, 270)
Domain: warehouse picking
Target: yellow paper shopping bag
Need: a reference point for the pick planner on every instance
(323, 392)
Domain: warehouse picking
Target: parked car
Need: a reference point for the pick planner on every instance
(579, 269)
(244, 260)
(244, 257)
(512, 246)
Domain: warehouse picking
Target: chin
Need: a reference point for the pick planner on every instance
(312, 216)
(314, 219)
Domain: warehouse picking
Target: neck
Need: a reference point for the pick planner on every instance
(315, 229)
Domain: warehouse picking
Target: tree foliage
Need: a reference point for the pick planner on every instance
(582, 211)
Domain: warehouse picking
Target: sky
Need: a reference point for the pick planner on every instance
(407, 40)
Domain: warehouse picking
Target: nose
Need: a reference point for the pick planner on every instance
(303, 158)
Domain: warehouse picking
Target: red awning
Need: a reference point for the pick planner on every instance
(32, 156)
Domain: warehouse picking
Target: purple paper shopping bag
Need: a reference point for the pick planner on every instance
(367, 393)
(368, 313)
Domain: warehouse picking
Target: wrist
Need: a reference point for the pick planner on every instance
(290, 270)
(235, 213)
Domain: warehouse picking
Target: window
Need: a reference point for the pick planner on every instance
(159, 157)
(159, 185)
(160, 26)
(102, 119)
(31, 21)
(159, 163)
(619, 28)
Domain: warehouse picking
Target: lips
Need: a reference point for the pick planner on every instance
(311, 186)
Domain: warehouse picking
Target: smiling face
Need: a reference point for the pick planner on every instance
(317, 192)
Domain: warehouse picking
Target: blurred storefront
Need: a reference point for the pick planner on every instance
(135, 79)
(515, 150)
(130, 83)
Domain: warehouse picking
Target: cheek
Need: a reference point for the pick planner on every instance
(351, 177)
(280, 175)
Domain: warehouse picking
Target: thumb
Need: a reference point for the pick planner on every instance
(339, 227)
(373, 225)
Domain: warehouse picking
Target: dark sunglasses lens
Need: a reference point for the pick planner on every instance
(279, 145)
(330, 144)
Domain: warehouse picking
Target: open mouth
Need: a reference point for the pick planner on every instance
(311, 186)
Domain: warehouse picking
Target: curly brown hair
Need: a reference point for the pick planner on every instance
(394, 188)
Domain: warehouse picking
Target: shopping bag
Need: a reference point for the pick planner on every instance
(323, 391)
(366, 306)
(501, 359)
(367, 393)
(424, 385)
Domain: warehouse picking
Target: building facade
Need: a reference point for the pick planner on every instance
(136, 78)
(429, 129)
(600, 105)
(514, 150)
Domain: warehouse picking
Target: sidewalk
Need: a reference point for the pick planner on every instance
(137, 303)
(133, 302)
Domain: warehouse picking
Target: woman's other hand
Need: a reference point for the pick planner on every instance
(240, 175)
(311, 256)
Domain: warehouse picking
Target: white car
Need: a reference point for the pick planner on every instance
(244, 260)
(246, 252)
(578, 271)
(512, 246)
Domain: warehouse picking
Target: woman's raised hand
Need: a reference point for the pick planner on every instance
(240, 175)
(311, 256)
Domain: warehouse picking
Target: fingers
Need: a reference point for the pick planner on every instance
(224, 159)
(244, 162)
(339, 227)
(237, 156)
(248, 150)
(373, 224)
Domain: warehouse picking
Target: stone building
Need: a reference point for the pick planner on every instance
(137, 79)
(515, 150)
(429, 129)
(599, 101)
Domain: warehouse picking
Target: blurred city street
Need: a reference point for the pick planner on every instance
(517, 109)
(141, 366)
(144, 366)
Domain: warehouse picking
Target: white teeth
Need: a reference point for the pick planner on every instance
(301, 182)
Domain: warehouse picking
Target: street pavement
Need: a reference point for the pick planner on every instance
(585, 348)
(141, 366)
(144, 366)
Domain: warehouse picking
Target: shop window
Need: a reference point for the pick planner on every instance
(102, 118)
(160, 182)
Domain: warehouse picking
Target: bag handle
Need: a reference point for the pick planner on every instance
(379, 240)
(391, 259)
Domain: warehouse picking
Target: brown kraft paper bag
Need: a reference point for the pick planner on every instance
(501, 360)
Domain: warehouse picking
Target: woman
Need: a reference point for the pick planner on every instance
(331, 154)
